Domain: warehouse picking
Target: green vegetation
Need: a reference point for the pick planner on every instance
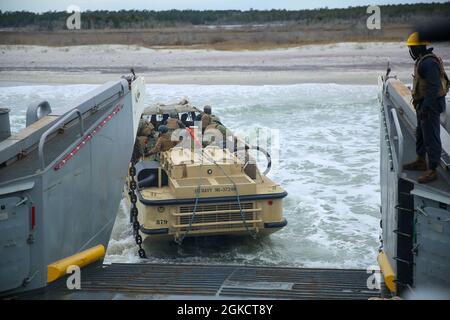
(133, 19)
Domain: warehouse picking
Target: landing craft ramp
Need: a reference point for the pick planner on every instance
(169, 281)
(61, 180)
(414, 217)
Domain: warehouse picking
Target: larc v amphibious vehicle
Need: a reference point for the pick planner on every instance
(198, 190)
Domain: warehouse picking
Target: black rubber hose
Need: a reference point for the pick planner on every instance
(267, 154)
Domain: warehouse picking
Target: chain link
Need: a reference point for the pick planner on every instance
(132, 186)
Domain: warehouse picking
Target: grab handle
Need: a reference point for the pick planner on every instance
(398, 129)
(53, 128)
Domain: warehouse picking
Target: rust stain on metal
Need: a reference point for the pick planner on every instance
(25, 132)
(401, 89)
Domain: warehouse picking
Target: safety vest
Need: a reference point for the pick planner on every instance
(420, 84)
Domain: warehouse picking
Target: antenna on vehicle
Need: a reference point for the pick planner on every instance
(388, 70)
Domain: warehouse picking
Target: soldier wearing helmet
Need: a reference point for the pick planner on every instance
(215, 133)
(145, 136)
(164, 142)
(173, 122)
(430, 86)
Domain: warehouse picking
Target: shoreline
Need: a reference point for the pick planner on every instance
(252, 79)
(341, 63)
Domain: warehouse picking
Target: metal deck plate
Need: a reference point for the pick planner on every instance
(164, 281)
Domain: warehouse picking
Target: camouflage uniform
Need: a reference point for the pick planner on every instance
(145, 136)
(206, 121)
(430, 86)
(164, 143)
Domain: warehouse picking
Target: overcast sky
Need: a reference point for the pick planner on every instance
(61, 5)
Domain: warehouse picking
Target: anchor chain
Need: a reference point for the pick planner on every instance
(132, 186)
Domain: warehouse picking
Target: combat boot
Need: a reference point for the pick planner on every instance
(420, 164)
(428, 176)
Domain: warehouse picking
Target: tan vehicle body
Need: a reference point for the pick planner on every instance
(207, 192)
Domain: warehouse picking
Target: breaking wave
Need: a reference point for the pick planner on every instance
(328, 163)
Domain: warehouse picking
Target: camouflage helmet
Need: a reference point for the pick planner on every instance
(147, 130)
(207, 109)
(173, 115)
(163, 129)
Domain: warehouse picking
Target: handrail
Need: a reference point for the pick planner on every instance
(399, 138)
(53, 128)
(385, 121)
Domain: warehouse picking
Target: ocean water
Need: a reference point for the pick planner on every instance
(328, 163)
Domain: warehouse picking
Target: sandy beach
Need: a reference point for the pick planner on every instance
(344, 63)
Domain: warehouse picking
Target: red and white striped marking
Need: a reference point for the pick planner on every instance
(87, 138)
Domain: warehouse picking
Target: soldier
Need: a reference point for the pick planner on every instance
(206, 117)
(144, 127)
(430, 86)
(173, 122)
(211, 136)
(145, 136)
(164, 142)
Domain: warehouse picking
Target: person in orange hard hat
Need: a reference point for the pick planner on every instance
(430, 86)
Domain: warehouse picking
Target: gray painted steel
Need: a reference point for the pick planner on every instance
(74, 183)
(389, 186)
(5, 126)
(88, 105)
(433, 258)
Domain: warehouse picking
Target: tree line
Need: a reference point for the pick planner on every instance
(143, 19)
